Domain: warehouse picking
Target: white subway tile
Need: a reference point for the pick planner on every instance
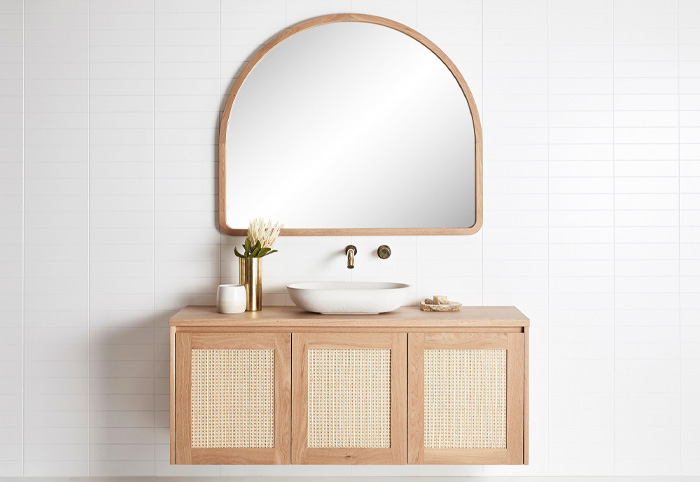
(584, 235)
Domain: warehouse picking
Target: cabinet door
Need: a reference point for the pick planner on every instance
(465, 398)
(349, 398)
(232, 398)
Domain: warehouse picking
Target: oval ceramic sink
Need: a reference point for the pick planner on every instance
(340, 297)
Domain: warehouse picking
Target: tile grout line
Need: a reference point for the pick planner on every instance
(222, 93)
(680, 313)
(88, 239)
(24, 227)
(483, 113)
(614, 370)
(352, 10)
(549, 315)
(287, 300)
(153, 319)
(216, 172)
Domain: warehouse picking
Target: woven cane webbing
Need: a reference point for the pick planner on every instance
(349, 398)
(465, 399)
(233, 398)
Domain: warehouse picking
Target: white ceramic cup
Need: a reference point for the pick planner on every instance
(230, 298)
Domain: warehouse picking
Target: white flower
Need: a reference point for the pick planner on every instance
(264, 231)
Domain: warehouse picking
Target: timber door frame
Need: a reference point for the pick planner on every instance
(185, 343)
(514, 344)
(396, 453)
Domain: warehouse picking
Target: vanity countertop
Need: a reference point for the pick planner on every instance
(407, 317)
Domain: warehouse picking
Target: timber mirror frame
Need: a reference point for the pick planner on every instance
(347, 17)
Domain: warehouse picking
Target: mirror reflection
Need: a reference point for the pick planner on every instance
(351, 125)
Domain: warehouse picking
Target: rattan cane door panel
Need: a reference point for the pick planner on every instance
(233, 399)
(466, 398)
(233, 395)
(349, 400)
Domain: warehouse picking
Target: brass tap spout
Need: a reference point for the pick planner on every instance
(351, 251)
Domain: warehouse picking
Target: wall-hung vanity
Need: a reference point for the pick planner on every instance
(285, 386)
(350, 125)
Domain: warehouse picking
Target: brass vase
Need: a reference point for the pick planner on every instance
(250, 276)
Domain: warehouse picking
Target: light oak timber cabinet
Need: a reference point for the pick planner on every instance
(285, 386)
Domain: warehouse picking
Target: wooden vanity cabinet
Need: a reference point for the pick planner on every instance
(284, 386)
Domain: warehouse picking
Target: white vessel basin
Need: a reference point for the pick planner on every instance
(339, 297)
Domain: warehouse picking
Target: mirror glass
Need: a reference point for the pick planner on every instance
(350, 125)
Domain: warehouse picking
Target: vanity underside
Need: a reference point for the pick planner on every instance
(285, 386)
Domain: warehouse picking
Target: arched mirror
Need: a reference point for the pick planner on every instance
(351, 124)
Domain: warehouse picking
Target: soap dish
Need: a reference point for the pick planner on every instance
(439, 303)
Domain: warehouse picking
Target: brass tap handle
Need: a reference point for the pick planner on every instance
(384, 251)
(351, 251)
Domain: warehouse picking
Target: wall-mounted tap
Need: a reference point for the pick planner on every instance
(384, 251)
(351, 251)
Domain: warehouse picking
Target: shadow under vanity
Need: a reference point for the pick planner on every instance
(354, 125)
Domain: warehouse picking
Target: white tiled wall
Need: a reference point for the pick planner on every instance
(57, 208)
(581, 239)
(109, 116)
(689, 262)
(11, 238)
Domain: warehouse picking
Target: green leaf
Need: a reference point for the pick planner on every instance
(235, 250)
(256, 249)
(263, 252)
(269, 252)
(246, 245)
